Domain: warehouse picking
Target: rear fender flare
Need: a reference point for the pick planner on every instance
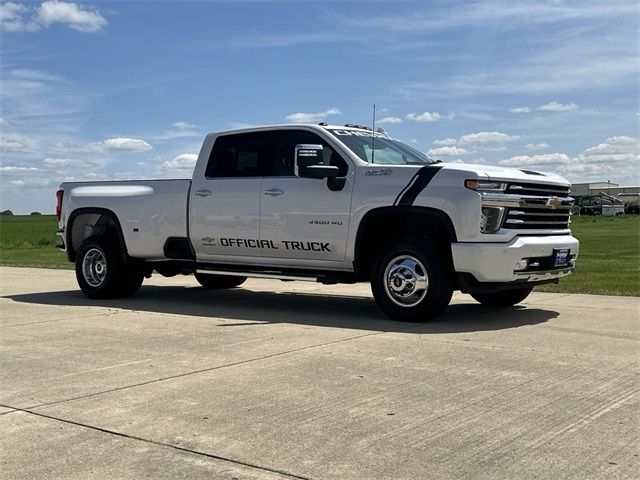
(71, 253)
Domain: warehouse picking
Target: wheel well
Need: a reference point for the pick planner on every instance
(85, 223)
(383, 226)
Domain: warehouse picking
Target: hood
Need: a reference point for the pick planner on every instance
(493, 172)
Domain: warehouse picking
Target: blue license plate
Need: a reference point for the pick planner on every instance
(561, 257)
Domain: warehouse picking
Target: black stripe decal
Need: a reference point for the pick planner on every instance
(413, 179)
(425, 174)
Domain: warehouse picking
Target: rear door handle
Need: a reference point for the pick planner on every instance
(274, 192)
(203, 193)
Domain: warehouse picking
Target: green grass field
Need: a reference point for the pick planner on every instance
(29, 241)
(609, 261)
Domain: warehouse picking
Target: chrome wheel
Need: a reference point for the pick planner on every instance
(94, 267)
(406, 281)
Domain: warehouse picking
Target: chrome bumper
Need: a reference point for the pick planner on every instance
(544, 274)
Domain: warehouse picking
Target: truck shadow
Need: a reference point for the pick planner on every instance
(311, 309)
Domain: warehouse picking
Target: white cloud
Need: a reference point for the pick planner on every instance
(18, 18)
(13, 145)
(448, 151)
(12, 18)
(536, 146)
(617, 158)
(614, 149)
(389, 120)
(183, 125)
(36, 75)
(301, 117)
(73, 15)
(489, 13)
(69, 162)
(428, 117)
(111, 144)
(17, 169)
(127, 144)
(445, 141)
(4, 122)
(557, 107)
(520, 110)
(486, 138)
(531, 160)
(184, 161)
(472, 143)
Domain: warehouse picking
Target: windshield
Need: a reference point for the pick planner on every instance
(387, 150)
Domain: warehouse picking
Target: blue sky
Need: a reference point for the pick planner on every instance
(116, 90)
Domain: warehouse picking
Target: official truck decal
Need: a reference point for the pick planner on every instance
(266, 244)
(417, 184)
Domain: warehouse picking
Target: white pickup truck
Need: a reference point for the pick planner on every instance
(332, 204)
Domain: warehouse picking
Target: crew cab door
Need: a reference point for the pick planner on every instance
(225, 198)
(303, 219)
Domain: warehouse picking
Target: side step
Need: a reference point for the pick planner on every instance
(327, 277)
(276, 275)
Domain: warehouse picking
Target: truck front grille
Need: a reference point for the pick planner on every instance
(532, 206)
(537, 189)
(525, 217)
(542, 207)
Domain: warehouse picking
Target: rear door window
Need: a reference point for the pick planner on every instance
(242, 155)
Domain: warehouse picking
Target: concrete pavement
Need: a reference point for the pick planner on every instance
(300, 380)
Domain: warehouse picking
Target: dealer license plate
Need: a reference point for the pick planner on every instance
(561, 257)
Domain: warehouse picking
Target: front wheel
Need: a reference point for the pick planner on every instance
(505, 298)
(412, 281)
(213, 282)
(102, 272)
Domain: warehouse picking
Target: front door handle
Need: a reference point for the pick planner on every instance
(203, 193)
(274, 192)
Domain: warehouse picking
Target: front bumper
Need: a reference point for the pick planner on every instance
(496, 262)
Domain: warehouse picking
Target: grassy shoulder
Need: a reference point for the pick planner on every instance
(609, 261)
(29, 241)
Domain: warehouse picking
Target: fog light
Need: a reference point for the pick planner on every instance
(522, 264)
(491, 219)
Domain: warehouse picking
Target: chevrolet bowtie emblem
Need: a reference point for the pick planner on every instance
(554, 202)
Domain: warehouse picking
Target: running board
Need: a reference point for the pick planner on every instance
(276, 275)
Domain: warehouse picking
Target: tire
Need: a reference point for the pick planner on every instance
(103, 273)
(412, 281)
(215, 282)
(505, 298)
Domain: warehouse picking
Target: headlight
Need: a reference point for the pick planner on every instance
(491, 219)
(485, 186)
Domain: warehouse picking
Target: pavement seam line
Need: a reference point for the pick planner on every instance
(108, 314)
(218, 367)
(160, 444)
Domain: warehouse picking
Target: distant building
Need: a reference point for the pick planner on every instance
(594, 188)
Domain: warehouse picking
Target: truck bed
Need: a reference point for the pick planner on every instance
(149, 211)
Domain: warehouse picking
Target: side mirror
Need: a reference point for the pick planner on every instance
(310, 163)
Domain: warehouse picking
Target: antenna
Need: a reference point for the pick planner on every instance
(373, 136)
